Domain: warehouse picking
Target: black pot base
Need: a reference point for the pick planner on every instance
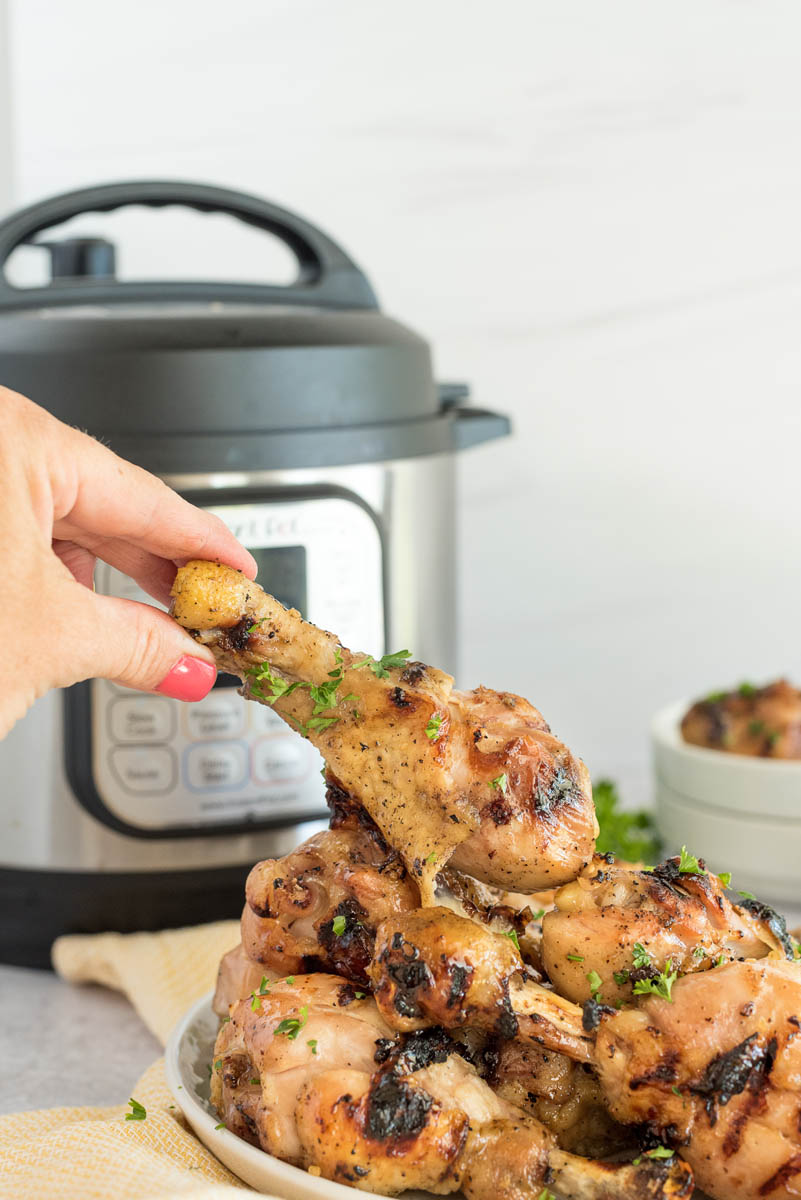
(36, 907)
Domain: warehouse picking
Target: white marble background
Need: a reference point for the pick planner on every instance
(593, 211)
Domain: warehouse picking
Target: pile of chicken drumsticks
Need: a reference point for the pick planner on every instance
(448, 989)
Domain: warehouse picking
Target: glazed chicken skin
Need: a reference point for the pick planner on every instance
(718, 1074)
(563, 1095)
(474, 777)
(626, 925)
(432, 966)
(715, 1071)
(317, 908)
(311, 1075)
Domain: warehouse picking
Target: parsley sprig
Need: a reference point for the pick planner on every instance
(433, 727)
(382, 666)
(511, 934)
(268, 687)
(291, 1026)
(138, 1111)
(689, 864)
(660, 984)
(629, 835)
(656, 1153)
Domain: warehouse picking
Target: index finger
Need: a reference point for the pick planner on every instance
(97, 491)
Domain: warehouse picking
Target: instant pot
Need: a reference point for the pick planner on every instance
(310, 422)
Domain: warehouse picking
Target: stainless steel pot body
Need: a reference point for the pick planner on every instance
(100, 784)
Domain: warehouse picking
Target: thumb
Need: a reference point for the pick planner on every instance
(138, 646)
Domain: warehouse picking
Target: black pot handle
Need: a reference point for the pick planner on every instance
(326, 277)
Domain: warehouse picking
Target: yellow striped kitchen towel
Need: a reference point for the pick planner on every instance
(94, 1153)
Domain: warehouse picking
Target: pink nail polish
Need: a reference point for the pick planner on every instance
(190, 679)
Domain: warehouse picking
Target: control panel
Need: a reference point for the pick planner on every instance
(159, 764)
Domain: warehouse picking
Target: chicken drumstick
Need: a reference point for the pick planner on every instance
(474, 777)
(310, 1072)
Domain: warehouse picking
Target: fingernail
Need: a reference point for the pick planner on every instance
(190, 679)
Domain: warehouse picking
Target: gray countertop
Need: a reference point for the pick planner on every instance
(67, 1045)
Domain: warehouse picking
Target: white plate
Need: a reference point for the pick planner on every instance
(187, 1058)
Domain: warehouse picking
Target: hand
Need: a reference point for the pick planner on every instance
(65, 501)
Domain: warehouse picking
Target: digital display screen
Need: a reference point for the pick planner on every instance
(282, 573)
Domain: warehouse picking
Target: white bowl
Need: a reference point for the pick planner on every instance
(741, 814)
(187, 1056)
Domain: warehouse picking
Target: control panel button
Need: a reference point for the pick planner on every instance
(144, 768)
(220, 715)
(141, 719)
(264, 720)
(281, 758)
(216, 765)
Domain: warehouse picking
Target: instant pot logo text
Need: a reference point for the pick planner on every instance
(259, 527)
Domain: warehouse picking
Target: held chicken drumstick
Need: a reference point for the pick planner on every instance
(471, 777)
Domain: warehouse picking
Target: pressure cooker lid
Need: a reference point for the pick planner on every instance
(207, 376)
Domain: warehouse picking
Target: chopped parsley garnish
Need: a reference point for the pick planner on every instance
(511, 934)
(575, 958)
(225, 1020)
(430, 859)
(725, 878)
(312, 1044)
(747, 895)
(221, 1125)
(338, 925)
(382, 666)
(747, 689)
(689, 864)
(620, 977)
(756, 727)
(291, 1026)
(676, 1090)
(657, 1152)
(595, 982)
(500, 783)
(720, 960)
(255, 625)
(218, 1065)
(538, 915)
(290, 979)
(660, 985)
(433, 726)
(255, 1082)
(545, 1194)
(138, 1111)
(640, 956)
(699, 952)
(629, 835)
(360, 995)
(323, 695)
(255, 998)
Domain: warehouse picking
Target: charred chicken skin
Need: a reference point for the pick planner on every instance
(312, 1073)
(714, 1070)
(317, 908)
(622, 926)
(434, 967)
(471, 777)
(717, 1074)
